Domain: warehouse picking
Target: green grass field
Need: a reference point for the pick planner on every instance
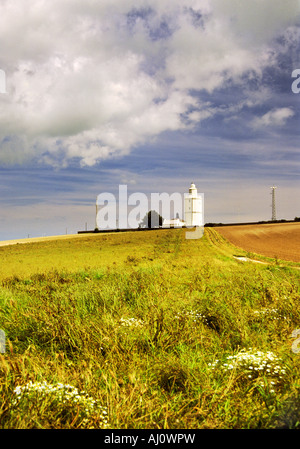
(147, 330)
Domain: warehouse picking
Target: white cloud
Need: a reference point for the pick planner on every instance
(258, 21)
(86, 80)
(275, 117)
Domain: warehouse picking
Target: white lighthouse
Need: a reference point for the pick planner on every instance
(193, 208)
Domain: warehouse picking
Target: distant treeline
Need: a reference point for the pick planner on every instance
(96, 230)
(211, 225)
(208, 225)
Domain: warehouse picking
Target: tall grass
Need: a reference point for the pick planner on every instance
(146, 332)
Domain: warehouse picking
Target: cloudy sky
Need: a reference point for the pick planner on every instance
(153, 94)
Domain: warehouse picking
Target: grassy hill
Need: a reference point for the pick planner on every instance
(147, 330)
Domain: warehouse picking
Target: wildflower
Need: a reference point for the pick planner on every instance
(64, 395)
(192, 314)
(254, 363)
(270, 313)
(131, 322)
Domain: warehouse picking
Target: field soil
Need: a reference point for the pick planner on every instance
(281, 240)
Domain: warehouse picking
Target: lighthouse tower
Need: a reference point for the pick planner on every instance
(193, 215)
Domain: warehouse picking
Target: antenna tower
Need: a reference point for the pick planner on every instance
(273, 203)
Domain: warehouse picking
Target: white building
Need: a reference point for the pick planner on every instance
(193, 211)
(173, 223)
(193, 208)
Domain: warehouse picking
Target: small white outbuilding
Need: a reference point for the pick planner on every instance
(173, 223)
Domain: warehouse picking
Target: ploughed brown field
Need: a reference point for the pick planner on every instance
(281, 240)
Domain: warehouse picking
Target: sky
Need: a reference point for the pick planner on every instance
(152, 94)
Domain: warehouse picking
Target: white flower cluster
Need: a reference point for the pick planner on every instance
(65, 395)
(271, 313)
(193, 314)
(131, 322)
(254, 364)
